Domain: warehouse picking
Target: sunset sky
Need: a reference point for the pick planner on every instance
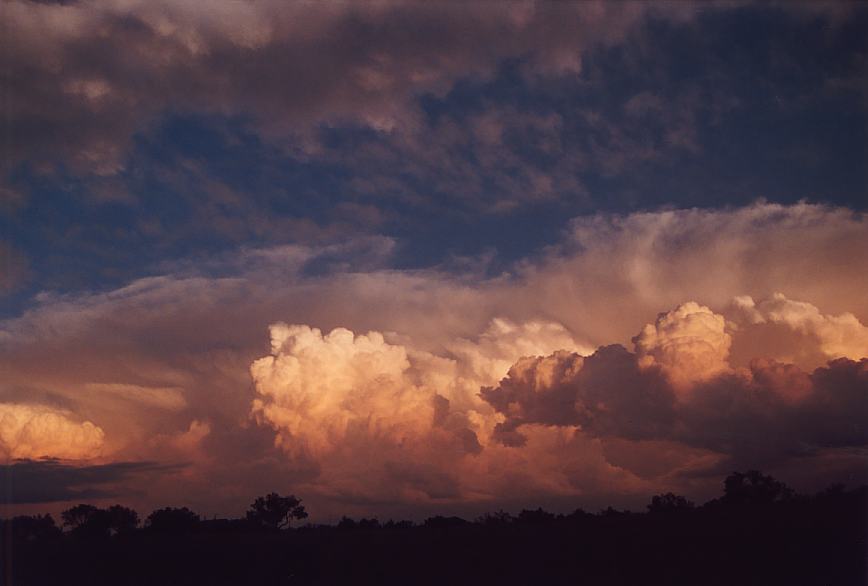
(399, 258)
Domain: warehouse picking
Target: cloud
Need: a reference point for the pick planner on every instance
(265, 60)
(342, 399)
(765, 414)
(372, 413)
(835, 336)
(159, 397)
(614, 270)
(199, 326)
(690, 344)
(14, 269)
(37, 431)
(319, 390)
(47, 481)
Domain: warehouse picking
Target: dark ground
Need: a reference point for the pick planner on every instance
(778, 539)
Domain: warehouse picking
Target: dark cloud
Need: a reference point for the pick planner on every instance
(287, 66)
(45, 481)
(762, 416)
(14, 268)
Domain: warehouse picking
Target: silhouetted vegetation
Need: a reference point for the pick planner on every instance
(174, 521)
(275, 512)
(92, 522)
(759, 532)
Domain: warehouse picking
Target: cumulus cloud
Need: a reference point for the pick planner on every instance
(835, 336)
(689, 343)
(321, 392)
(384, 419)
(766, 413)
(194, 331)
(37, 431)
(418, 422)
(320, 389)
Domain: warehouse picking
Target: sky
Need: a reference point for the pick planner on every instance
(406, 258)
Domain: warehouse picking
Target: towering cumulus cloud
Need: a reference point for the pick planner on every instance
(32, 431)
(690, 344)
(764, 413)
(398, 416)
(370, 413)
(318, 390)
(501, 391)
(833, 336)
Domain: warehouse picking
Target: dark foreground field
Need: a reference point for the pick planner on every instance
(782, 539)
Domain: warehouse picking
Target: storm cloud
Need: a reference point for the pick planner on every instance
(289, 365)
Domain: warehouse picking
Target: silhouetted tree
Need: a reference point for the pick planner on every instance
(78, 516)
(122, 519)
(441, 522)
(535, 517)
(87, 521)
(579, 515)
(612, 512)
(754, 488)
(90, 521)
(31, 528)
(669, 503)
(369, 524)
(390, 524)
(346, 523)
(496, 519)
(173, 520)
(276, 511)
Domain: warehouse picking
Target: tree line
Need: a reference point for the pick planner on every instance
(274, 512)
(759, 531)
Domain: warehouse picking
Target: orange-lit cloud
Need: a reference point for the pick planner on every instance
(341, 399)
(377, 399)
(761, 414)
(690, 344)
(834, 336)
(38, 431)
